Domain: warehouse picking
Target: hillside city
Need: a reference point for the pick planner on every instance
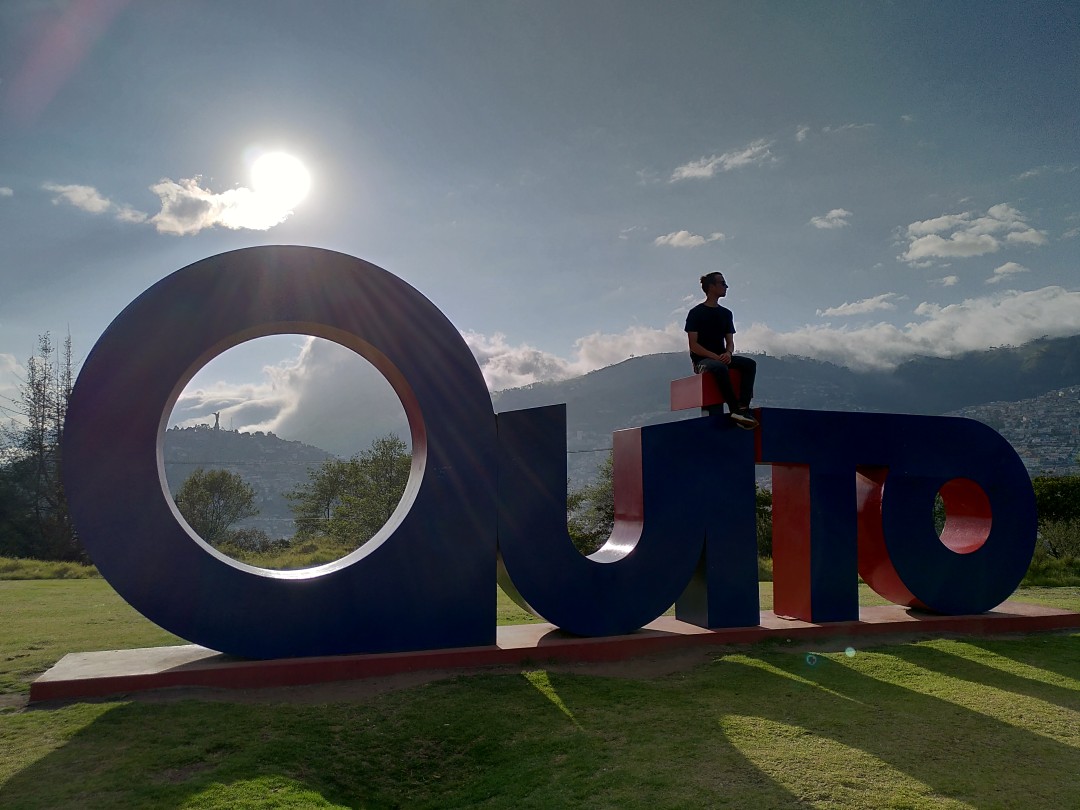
(1045, 430)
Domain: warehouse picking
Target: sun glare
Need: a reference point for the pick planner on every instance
(281, 178)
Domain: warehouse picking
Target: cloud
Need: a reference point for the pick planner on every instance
(755, 153)
(89, 199)
(505, 365)
(6, 192)
(508, 366)
(326, 395)
(125, 213)
(946, 281)
(801, 133)
(907, 119)
(85, 198)
(602, 349)
(1006, 270)
(187, 208)
(1027, 237)
(960, 245)
(685, 239)
(1006, 318)
(845, 128)
(878, 302)
(1041, 170)
(965, 235)
(837, 218)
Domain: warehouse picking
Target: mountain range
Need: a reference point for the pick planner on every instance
(636, 391)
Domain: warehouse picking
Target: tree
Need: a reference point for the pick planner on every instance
(315, 504)
(590, 510)
(375, 485)
(351, 500)
(1057, 497)
(34, 504)
(211, 501)
(17, 530)
(763, 520)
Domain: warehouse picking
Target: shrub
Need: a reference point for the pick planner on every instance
(254, 540)
(13, 568)
(1057, 497)
(1060, 538)
(764, 569)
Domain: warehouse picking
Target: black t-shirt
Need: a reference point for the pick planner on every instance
(712, 325)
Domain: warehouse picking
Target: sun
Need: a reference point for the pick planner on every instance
(280, 178)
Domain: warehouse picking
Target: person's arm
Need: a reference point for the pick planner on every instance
(701, 351)
(729, 341)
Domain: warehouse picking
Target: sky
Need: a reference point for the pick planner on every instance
(876, 180)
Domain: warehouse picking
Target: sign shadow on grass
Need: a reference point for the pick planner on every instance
(650, 742)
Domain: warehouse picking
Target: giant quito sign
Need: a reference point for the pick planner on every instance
(486, 499)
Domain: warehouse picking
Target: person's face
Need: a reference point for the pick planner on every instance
(720, 286)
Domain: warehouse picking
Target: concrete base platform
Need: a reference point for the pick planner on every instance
(98, 674)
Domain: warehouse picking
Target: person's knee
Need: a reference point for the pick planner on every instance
(719, 369)
(746, 367)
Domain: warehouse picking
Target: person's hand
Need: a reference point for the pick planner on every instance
(725, 358)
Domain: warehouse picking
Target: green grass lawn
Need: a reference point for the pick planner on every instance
(974, 722)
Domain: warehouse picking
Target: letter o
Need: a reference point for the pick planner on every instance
(990, 526)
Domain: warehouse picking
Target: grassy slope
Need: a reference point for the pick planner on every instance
(944, 723)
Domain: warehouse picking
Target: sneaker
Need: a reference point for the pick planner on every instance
(744, 419)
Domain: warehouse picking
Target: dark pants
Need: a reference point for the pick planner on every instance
(747, 369)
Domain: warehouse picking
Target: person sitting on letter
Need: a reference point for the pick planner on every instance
(711, 330)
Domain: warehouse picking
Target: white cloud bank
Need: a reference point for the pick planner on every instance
(685, 239)
(1005, 318)
(186, 207)
(328, 397)
(965, 235)
(505, 365)
(1008, 318)
(878, 302)
(6, 192)
(837, 218)
(756, 153)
